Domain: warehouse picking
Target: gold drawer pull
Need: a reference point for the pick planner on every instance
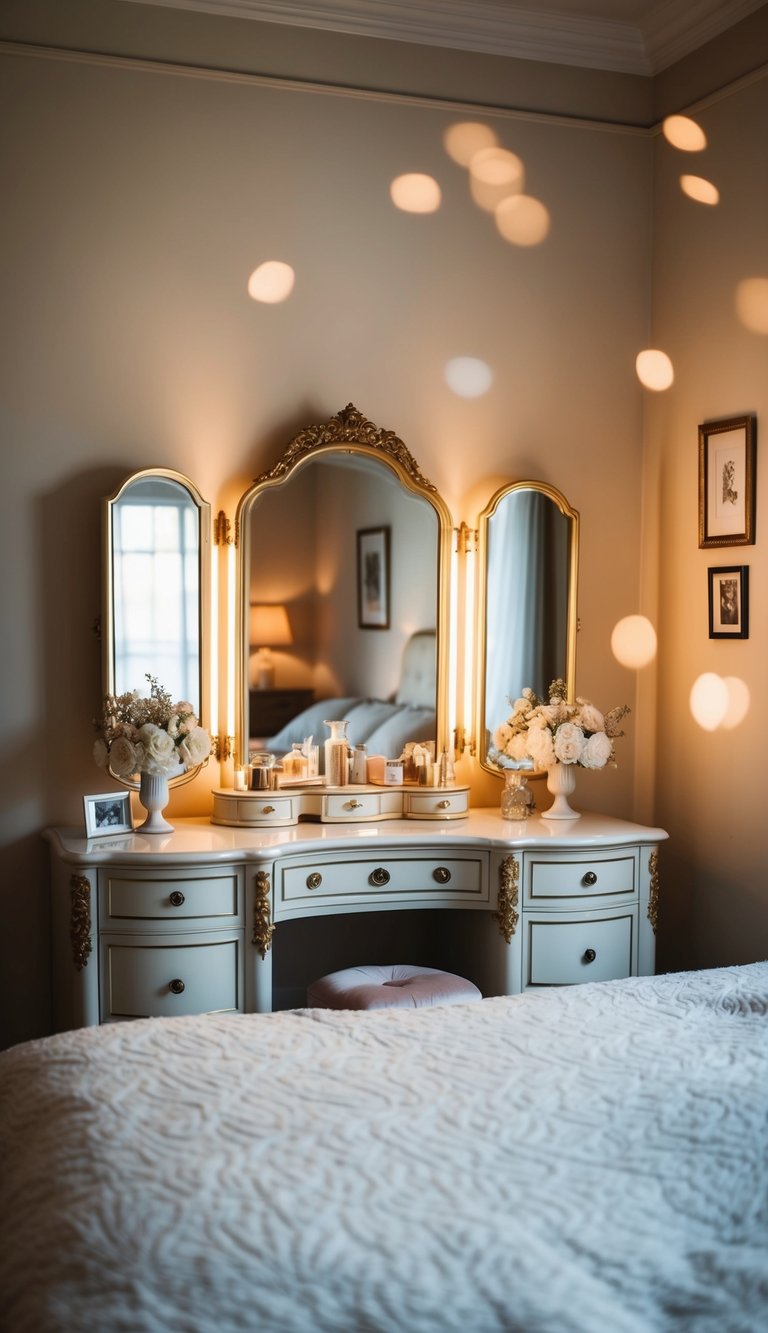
(176, 986)
(589, 879)
(379, 876)
(314, 880)
(443, 805)
(176, 898)
(353, 805)
(442, 874)
(267, 809)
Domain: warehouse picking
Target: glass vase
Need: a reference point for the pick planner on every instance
(515, 796)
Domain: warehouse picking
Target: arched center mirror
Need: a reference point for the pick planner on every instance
(527, 583)
(343, 548)
(157, 589)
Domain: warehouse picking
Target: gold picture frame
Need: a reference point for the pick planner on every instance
(727, 461)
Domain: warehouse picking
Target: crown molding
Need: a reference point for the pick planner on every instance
(668, 31)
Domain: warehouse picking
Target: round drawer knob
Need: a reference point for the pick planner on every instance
(314, 880)
(353, 805)
(442, 874)
(176, 898)
(176, 986)
(267, 809)
(589, 955)
(589, 879)
(443, 805)
(379, 876)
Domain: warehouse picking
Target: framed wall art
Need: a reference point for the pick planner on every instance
(727, 458)
(109, 812)
(729, 602)
(373, 578)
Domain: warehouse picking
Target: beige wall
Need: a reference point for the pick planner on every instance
(139, 201)
(709, 789)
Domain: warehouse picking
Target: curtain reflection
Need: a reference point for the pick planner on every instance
(526, 600)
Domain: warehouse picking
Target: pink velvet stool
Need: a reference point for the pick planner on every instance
(394, 986)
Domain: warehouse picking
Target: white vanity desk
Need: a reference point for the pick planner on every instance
(188, 923)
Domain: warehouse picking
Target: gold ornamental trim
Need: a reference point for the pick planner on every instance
(348, 426)
(263, 930)
(509, 896)
(80, 921)
(653, 894)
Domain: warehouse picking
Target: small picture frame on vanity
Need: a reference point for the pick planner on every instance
(108, 812)
(729, 602)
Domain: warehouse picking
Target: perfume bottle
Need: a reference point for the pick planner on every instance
(516, 795)
(336, 753)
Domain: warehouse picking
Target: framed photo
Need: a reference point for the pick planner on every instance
(727, 457)
(729, 602)
(109, 812)
(373, 578)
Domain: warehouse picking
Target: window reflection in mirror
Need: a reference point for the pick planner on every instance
(154, 588)
(529, 538)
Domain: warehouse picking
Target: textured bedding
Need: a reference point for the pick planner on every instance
(591, 1158)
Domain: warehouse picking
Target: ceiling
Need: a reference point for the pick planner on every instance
(629, 36)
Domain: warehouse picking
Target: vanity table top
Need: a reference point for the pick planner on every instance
(197, 839)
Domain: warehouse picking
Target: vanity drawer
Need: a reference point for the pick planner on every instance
(144, 979)
(353, 804)
(564, 880)
(441, 804)
(268, 809)
(560, 951)
(126, 897)
(387, 879)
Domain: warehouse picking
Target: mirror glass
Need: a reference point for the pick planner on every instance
(156, 587)
(527, 602)
(341, 571)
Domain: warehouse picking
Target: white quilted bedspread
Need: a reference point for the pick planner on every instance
(587, 1159)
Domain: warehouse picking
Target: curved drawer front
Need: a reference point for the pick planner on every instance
(352, 804)
(388, 879)
(443, 804)
(566, 881)
(128, 896)
(145, 980)
(560, 952)
(266, 808)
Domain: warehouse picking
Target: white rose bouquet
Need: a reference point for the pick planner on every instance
(545, 734)
(149, 735)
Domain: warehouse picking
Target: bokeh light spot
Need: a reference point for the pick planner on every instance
(703, 191)
(738, 702)
(271, 282)
(654, 369)
(752, 304)
(495, 174)
(633, 641)
(709, 700)
(415, 193)
(684, 133)
(468, 377)
(463, 140)
(522, 220)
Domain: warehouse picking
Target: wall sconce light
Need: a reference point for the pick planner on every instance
(269, 628)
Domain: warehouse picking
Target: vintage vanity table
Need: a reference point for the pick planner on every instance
(193, 921)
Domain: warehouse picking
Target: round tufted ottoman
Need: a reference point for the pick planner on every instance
(395, 986)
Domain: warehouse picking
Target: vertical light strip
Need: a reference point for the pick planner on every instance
(453, 643)
(231, 653)
(215, 646)
(468, 644)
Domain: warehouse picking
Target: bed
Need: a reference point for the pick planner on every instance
(384, 726)
(590, 1159)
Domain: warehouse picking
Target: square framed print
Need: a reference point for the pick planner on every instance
(373, 578)
(727, 459)
(109, 812)
(729, 602)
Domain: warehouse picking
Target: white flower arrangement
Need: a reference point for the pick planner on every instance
(149, 735)
(545, 734)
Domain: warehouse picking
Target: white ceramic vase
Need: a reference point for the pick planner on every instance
(154, 796)
(561, 782)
